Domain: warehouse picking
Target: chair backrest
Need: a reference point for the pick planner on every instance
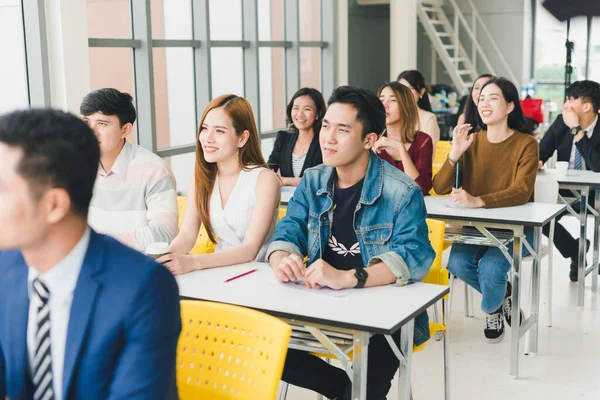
(442, 149)
(281, 214)
(203, 244)
(436, 238)
(229, 352)
(546, 190)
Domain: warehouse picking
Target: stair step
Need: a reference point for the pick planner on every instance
(430, 9)
(436, 22)
(465, 71)
(442, 34)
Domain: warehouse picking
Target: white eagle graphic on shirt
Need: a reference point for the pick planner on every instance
(340, 249)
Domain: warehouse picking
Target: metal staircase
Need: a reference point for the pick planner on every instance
(460, 64)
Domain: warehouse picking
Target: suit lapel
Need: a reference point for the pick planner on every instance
(84, 300)
(18, 313)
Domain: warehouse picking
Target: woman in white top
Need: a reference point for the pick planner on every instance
(415, 81)
(230, 179)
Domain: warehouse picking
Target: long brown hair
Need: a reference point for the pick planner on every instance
(409, 113)
(249, 156)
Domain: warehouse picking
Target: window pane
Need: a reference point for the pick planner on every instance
(266, 147)
(113, 68)
(182, 166)
(174, 92)
(225, 19)
(272, 88)
(270, 20)
(109, 19)
(171, 19)
(227, 71)
(310, 67)
(13, 69)
(310, 20)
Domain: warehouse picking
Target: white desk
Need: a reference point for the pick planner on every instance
(581, 183)
(286, 194)
(360, 314)
(514, 219)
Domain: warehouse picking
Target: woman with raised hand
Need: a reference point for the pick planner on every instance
(402, 146)
(497, 168)
(230, 180)
(297, 150)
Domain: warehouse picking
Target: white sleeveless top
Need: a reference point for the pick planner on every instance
(231, 223)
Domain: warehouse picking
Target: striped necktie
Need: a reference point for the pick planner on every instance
(42, 361)
(577, 160)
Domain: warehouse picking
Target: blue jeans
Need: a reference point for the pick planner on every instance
(485, 269)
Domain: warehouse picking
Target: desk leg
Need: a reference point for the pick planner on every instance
(359, 370)
(516, 302)
(596, 241)
(582, 234)
(534, 296)
(404, 373)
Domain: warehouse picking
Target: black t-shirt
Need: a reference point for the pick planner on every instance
(342, 250)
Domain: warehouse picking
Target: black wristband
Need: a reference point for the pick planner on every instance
(361, 275)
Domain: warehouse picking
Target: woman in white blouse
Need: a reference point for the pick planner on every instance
(231, 179)
(415, 81)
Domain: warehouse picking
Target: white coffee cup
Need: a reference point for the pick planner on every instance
(158, 249)
(561, 168)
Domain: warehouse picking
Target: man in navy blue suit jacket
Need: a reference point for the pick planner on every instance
(81, 315)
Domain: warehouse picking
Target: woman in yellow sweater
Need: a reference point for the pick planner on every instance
(497, 168)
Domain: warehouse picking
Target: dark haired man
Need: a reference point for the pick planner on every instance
(354, 195)
(134, 198)
(81, 315)
(575, 135)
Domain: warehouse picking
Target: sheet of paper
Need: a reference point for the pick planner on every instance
(323, 292)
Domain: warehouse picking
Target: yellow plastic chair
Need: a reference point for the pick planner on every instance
(442, 149)
(282, 211)
(203, 244)
(228, 352)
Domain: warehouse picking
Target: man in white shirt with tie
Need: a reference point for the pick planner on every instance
(82, 316)
(575, 136)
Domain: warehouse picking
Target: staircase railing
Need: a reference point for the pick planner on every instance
(476, 48)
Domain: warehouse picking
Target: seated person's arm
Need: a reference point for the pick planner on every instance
(161, 213)
(548, 143)
(190, 227)
(590, 154)
(268, 193)
(146, 367)
(408, 260)
(423, 163)
(275, 156)
(290, 238)
(520, 191)
(411, 254)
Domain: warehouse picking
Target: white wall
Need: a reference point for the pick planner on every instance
(13, 70)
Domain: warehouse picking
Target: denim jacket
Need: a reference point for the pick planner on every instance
(389, 222)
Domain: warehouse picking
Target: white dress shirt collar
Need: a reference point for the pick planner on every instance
(62, 278)
(121, 163)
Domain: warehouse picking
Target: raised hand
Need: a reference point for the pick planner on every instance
(461, 140)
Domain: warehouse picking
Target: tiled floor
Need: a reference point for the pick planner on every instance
(567, 365)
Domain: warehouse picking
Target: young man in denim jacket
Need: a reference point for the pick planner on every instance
(361, 222)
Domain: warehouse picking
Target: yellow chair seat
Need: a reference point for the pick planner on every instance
(229, 352)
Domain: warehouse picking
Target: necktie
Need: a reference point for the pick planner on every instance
(577, 159)
(42, 361)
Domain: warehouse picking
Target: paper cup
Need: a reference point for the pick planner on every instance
(158, 249)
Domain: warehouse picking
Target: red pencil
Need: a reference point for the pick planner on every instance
(242, 274)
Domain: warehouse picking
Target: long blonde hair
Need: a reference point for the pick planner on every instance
(409, 113)
(249, 156)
